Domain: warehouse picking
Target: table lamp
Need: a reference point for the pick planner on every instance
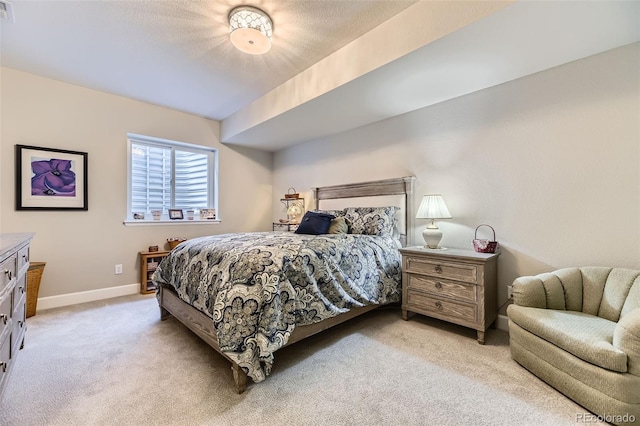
(432, 207)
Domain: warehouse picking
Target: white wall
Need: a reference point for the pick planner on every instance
(550, 161)
(81, 248)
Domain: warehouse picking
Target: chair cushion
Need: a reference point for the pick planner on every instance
(587, 337)
(616, 290)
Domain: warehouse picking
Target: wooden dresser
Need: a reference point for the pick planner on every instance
(453, 285)
(14, 263)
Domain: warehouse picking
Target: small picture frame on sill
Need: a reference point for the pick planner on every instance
(208, 214)
(175, 214)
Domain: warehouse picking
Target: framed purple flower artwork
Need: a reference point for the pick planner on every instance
(50, 179)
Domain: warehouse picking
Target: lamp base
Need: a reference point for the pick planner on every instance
(432, 236)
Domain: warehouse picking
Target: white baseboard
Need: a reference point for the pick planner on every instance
(502, 323)
(86, 296)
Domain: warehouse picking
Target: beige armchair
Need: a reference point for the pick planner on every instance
(578, 329)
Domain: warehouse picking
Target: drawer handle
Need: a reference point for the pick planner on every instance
(3, 365)
(4, 319)
(21, 289)
(25, 257)
(438, 285)
(439, 269)
(8, 273)
(439, 305)
(21, 324)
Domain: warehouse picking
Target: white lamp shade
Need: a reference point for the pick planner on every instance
(433, 207)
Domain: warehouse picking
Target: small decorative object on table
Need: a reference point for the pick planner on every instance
(157, 214)
(153, 248)
(292, 193)
(138, 215)
(484, 245)
(173, 242)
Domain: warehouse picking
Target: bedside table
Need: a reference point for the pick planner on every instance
(453, 285)
(287, 227)
(149, 261)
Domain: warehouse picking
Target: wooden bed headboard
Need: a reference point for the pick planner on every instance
(399, 186)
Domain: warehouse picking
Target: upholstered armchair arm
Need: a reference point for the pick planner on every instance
(529, 291)
(626, 337)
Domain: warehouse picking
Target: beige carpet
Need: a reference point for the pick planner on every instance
(115, 363)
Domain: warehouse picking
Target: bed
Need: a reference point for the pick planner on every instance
(248, 295)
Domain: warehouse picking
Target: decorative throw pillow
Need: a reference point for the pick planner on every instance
(339, 225)
(335, 213)
(314, 223)
(372, 220)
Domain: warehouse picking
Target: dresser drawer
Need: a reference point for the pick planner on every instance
(7, 271)
(5, 358)
(23, 258)
(441, 308)
(19, 293)
(442, 288)
(19, 327)
(5, 313)
(449, 270)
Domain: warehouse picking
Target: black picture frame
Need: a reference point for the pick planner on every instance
(51, 179)
(176, 214)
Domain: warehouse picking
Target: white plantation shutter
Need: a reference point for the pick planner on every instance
(170, 175)
(150, 178)
(191, 180)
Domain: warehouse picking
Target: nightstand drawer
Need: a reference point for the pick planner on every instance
(441, 308)
(455, 271)
(441, 288)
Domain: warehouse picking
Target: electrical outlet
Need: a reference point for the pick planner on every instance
(118, 269)
(509, 292)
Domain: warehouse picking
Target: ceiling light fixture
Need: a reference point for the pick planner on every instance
(250, 30)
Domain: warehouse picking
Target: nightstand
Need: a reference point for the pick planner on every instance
(149, 261)
(286, 227)
(454, 285)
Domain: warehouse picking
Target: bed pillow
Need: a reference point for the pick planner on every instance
(314, 223)
(372, 220)
(339, 225)
(335, 213)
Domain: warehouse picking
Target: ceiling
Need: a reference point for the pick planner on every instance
(177, 54)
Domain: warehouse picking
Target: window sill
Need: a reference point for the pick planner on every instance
(164, 222)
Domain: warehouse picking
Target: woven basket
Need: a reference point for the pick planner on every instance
(34, 274)
(484, 245)
(292, 194)
(173, 243)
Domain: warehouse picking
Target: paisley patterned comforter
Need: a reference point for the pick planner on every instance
(258, 286)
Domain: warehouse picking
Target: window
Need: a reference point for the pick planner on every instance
(167, 175)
